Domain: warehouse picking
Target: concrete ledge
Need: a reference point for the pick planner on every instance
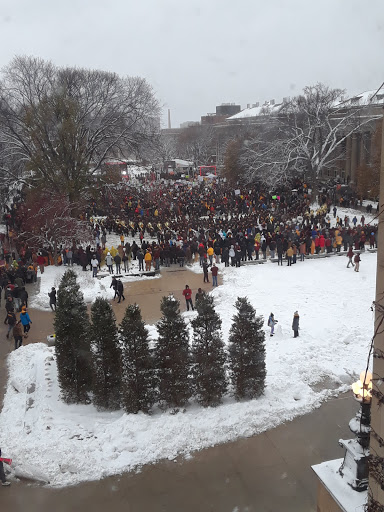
(149, 273)
(255, 262)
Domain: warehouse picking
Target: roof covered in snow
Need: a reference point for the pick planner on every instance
(261, 110)
(375, 97)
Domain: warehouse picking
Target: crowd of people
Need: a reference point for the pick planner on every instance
(211, 221)
(166, 223)
(163, 224)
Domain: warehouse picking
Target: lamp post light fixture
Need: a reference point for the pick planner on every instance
(355, 464)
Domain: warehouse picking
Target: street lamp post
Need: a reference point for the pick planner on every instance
(355, 464)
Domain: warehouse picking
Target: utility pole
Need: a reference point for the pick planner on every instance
(376, 467)
(169, 119)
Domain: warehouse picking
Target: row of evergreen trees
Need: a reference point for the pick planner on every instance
(114, 366)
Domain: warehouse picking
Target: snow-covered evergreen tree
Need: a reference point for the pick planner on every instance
(138, 386)
(172, 355)
(73, 355)
(106, 356)
(247, 351)
(208, 354)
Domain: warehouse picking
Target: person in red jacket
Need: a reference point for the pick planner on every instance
(41, 262)
(187, 292)
(322, 243)
(350, 256)
(357, 262)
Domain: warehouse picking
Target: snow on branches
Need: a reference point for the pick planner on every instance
(306, 136)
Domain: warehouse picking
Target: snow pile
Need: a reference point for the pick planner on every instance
(90, 287)
(70, 444)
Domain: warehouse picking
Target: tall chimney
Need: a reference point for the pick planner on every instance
(169, 119)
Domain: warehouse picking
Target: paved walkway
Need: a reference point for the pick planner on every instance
(265, 473)
(270, 472)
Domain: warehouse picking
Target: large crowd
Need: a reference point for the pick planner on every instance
(166, 223)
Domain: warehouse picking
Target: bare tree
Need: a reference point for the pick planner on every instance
(48, 221)
(263, 156)
(164, 148)
(306, 136)
(198, 144)
(60, 124)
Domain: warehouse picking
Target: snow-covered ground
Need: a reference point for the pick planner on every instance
(70, 444)
(91, 287)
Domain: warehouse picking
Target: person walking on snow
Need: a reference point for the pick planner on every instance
(271, 323)
(187, 292)
(94, 265)
(350, 256)
(295, 324)
(357, 262)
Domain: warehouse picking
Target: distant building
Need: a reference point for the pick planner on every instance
(357, 149)
(254, 113)
(222, 112)
(188, 124)
(227, 109)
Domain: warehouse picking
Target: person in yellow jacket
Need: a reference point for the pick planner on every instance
(339, 241)
(289, 255)
(148, 260)
(313, 246)
(210, 254)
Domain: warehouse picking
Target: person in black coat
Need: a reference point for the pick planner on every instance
(23, 296)
(52, 298)
(117, 260)
(11, 321)
(120, 290)
(140, 257)
(279, 248)
(205, 271)
(114, 286)
(225, 256)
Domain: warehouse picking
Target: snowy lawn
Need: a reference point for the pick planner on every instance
(91, 287)
(70, 444)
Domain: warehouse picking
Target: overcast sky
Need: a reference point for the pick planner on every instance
(200, 53)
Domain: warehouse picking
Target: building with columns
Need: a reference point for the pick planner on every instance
(366, 110)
